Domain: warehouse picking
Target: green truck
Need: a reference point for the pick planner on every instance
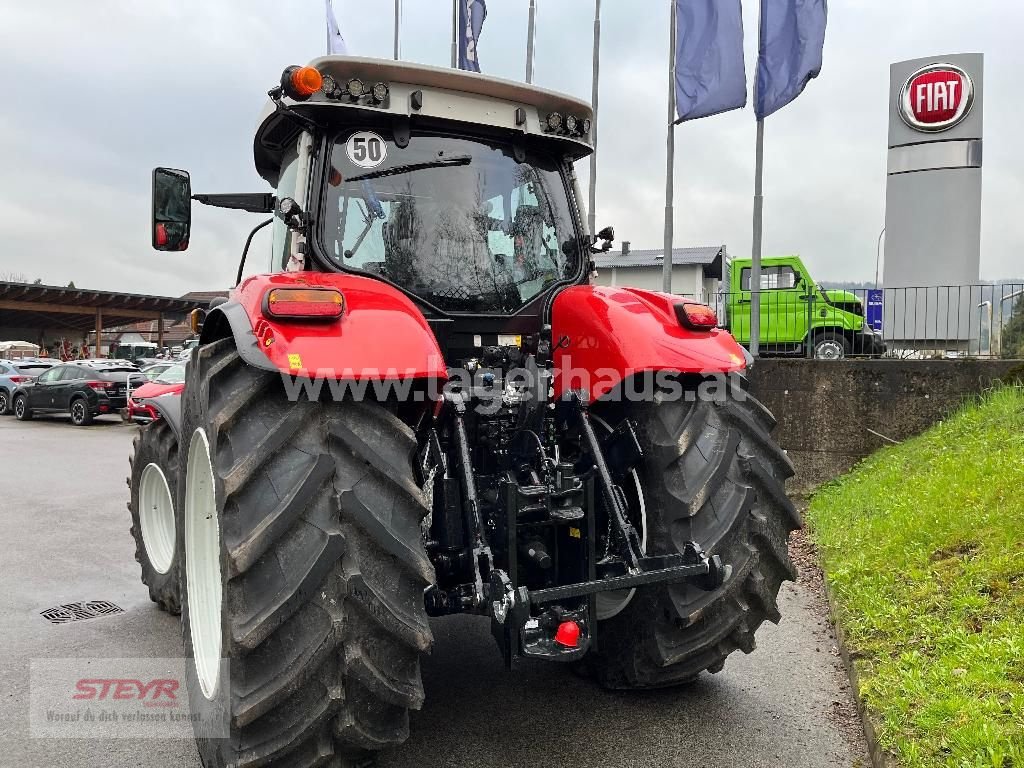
(798, 317)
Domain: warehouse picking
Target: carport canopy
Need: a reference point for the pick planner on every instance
(46, 306)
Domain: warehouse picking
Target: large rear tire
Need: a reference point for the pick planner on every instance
(711, 474)
(153, 484)
(304, 571)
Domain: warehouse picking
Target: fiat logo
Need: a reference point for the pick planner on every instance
(936, 98)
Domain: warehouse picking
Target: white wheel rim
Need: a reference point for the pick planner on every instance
(19, 407)
(611, 604)
(156, 518)
(202, 564)
(829, 350)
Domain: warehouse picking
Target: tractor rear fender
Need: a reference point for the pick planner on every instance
(604, 335)
(380, 334)
(169, 408)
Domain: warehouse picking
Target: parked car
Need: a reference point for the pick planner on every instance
(171, 381)
(84, 389)
(16, 372)
(153, 371)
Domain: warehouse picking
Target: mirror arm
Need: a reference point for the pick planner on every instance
(254, 202)
(248, 242)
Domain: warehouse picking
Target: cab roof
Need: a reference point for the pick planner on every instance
(430, 93)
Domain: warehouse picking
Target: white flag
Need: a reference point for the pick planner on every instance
(335, 42)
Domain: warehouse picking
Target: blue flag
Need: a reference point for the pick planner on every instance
(710, 77)
(792, 40)
(471, 22)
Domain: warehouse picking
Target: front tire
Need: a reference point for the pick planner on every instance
(831, 346)
(304, 570)
(153, 485)
(711, 474)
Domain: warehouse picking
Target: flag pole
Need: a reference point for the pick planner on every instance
(531, 30)
(398, 23)
(755, 255)
(455, 33)
(666, 266)
(595, 93)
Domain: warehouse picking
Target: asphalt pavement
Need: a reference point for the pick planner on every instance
(65, 539)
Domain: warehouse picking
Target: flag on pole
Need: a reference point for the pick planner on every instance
(709, 73)
(335, 42)
(790, 54)
(471, 22)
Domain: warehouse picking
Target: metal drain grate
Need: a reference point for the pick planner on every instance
(92, 609)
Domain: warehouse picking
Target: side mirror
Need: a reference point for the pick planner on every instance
(172, 209)
(607, 235)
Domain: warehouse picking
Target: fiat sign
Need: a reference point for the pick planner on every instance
(936, 98)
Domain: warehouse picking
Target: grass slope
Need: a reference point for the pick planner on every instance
(923, 549)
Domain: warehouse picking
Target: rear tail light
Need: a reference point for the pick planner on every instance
(304, 303)
(20, 379)
(696, 317)
(100, 386)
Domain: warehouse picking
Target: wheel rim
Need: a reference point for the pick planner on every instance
(611, 604)
(829, 350)
(202, 564)
(19, 407)
(156, 518)
(3, 402)
(78, 412)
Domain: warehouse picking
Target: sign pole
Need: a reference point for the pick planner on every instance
(455, 33)
(755, 256)
(595, 92)
(666, 267)
(530, 32)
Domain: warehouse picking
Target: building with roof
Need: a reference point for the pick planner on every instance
(696, 272)
(59, 320)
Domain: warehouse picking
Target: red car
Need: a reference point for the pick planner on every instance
(171, 381)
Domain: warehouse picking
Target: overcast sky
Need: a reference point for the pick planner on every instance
(99, 92)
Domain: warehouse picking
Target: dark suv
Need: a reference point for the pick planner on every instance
(83, 389)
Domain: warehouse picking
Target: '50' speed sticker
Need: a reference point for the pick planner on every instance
(366, 149)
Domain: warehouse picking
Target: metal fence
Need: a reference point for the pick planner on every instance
(946, 321)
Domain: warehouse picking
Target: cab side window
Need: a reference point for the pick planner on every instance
(772, 278)
(282, 236)
(49, 376)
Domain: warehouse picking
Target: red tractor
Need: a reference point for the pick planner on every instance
(424, 408)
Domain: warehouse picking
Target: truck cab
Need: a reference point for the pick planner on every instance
(798, 317)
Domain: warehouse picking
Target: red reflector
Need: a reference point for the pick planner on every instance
(104, 407)
(696, 317)
(304, 302)
(568, 634)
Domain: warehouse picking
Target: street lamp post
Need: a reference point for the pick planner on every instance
(878, 254)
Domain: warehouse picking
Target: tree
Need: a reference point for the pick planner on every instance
(1012, 339)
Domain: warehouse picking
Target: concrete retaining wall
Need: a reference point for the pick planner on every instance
(825, 409)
